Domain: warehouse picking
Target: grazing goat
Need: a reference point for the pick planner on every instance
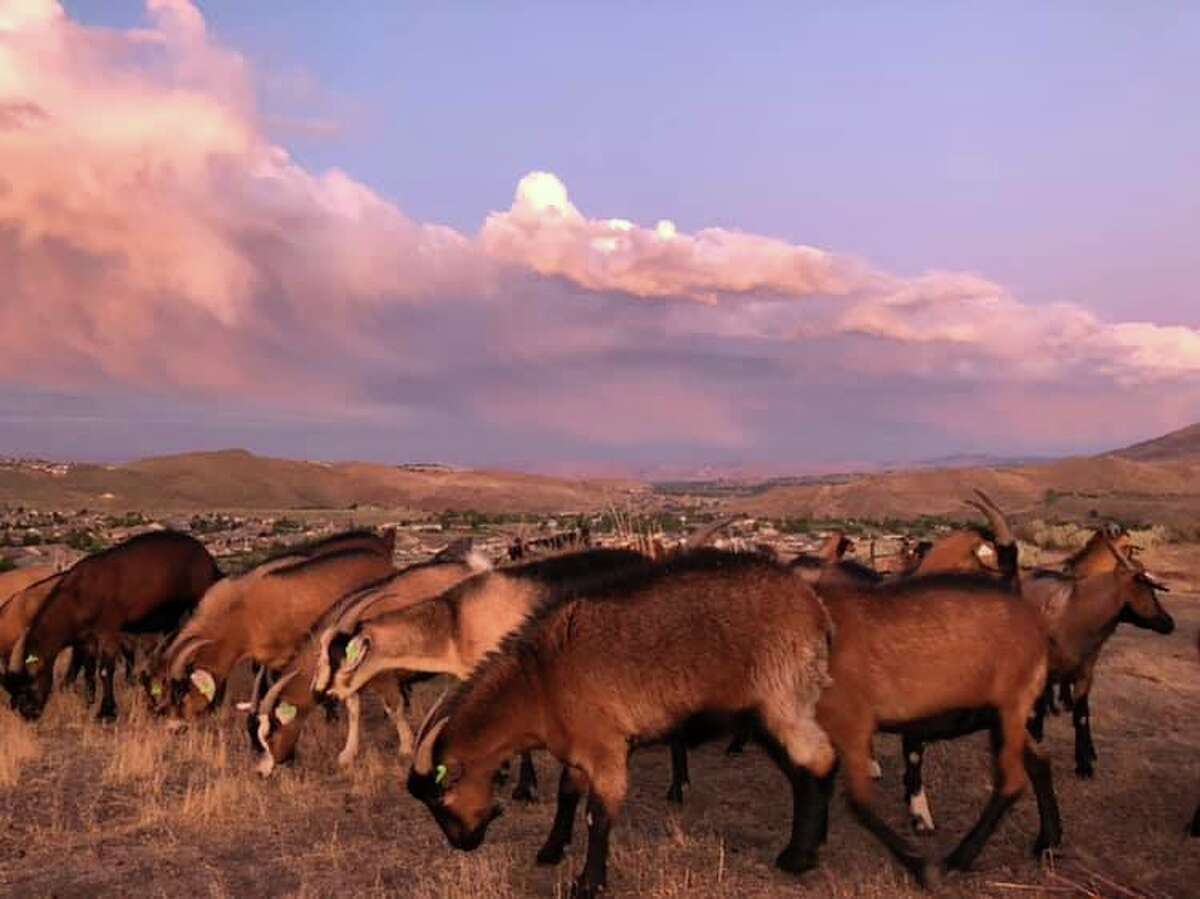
(597, 671)
(263, 618)
(275, 722)
(451, 633)
(19, 607)
(144, 585)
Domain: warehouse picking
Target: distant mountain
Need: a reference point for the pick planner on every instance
(1181, 444)
(236, 479)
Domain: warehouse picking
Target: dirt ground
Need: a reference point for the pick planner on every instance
(91, 810)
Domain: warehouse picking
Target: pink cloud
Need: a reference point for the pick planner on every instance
(154, 237)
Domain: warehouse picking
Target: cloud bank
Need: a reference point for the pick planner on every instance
(154, 240)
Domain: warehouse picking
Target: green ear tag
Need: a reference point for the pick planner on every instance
(441, 775)
(285, 712)
(353, 651)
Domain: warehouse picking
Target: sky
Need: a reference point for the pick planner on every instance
(597, 237)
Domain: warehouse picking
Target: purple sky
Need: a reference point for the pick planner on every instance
(942, 229)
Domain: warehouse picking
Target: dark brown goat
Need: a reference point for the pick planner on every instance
(603, 669)
(144, 585)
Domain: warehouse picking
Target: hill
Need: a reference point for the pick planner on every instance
(1181, 444)
(236, 479)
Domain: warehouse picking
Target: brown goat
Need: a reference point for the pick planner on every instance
(453, 632)
(19, 607)
(275, 723)
(156, 677)
(601, 670)
(1080, 614)
(940, 656)
(144, 585)
(264, 617)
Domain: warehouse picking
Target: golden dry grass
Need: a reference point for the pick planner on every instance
(91, 809)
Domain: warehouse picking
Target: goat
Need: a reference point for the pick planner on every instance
(1079, 614)
(451, 633)
(144, 585)
(275, 722)
(263, 618)
(19, 606)
(939, 657)
(596, 671)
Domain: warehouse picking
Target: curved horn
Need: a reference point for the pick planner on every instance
(1120, 556)
(256, 690)
(429, 716)
(268, 702)
(423, 757)
(995, 517)
(698, 538)
(186, 652)
(16, 660)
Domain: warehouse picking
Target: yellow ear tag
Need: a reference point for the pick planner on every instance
(156, 689)
(441, 775)
(203, 681)
(353, 651)
(285, 712)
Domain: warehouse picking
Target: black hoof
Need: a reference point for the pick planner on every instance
(796, 861)
(106, 715)
(550, 855)
(1085, 771)
(675, 794)
(524, 793)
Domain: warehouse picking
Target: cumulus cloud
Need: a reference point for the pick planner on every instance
(143, 213)
(153, 238)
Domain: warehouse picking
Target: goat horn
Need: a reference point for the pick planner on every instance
(268, 702)
(16, 661)
(256, 690)
(702, 536)
(996, 518)
(429, 716)
(1120, 556)
(185, 653)
(423, 758)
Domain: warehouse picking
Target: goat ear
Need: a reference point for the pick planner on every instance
(205, 683)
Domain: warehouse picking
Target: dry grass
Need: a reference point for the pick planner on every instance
(93, 809)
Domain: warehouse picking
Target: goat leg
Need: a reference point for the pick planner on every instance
(108, 701)
(559, 837)
(1085, 749)
(1037, 767)
(679, 771)
(914, 787)
(593, 880)
(1195, 831)
(526, 788)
